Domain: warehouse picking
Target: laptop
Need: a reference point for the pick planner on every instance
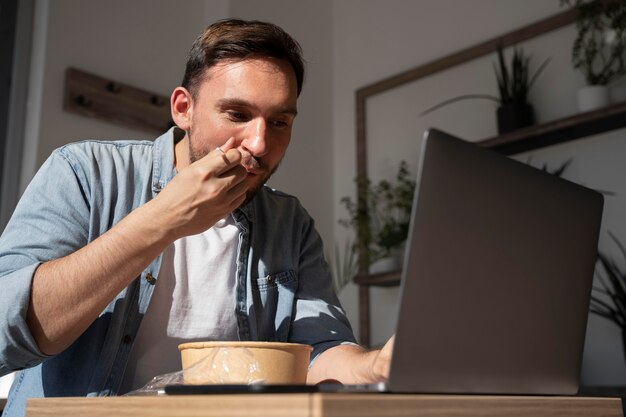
(496, 281)
(497, 276)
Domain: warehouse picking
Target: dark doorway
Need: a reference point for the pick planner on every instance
(8, 19)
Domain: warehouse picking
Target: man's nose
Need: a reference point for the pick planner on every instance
(255, 141)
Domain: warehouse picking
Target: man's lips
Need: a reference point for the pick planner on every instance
(253, 172)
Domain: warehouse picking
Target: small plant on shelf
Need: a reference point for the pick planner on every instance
(599, 50)
(381, 222)
(514, 84)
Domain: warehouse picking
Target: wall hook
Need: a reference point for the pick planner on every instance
(83, 101)
(100, 97)
(113, 87)
(157, 101)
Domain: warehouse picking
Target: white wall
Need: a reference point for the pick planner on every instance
(374, 40)
(143, 43)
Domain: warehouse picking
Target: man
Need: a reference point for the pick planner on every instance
(176, 235)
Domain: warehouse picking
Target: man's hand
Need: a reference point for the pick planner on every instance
(351, 364)
(382, 361)
(202, 193)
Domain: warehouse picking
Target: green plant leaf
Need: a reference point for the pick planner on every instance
(505, 95)
(345, 265)
(600, 62)
(459, 98)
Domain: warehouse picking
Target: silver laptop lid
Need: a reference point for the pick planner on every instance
(497, 276)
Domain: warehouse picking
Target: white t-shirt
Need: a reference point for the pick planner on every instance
(194, 300)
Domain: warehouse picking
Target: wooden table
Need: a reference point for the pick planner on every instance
(325, 405)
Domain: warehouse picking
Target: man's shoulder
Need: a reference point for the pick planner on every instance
(278, 204)
(102, 145)
(91, 150)
(267, 194)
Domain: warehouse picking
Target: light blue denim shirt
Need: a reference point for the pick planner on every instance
(284, 290)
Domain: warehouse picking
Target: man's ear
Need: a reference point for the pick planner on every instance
(181, 104)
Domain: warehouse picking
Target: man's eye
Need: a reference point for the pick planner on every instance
(280, 123)
(237, 116)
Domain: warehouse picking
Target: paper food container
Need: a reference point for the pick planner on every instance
(244, 362)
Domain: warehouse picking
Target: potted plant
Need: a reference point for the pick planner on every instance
(514, 83)
(381, 224)
(608, 298)
(514, 111)
(599, 50)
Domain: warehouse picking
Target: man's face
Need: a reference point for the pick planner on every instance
(253, 101)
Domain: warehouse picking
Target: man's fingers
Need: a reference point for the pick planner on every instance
(229, 154)
(228, 162)
(226, 149)
(224, 165)
(239, 195)
(233, 177)
(221, 159)
(228, 145)
(238, 189)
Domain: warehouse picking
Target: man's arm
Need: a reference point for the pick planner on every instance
(69, 293)
(350, 364)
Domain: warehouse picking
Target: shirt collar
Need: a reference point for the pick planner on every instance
(246, 210)
(163, 169)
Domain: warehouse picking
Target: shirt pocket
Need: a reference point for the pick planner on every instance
(274, 297)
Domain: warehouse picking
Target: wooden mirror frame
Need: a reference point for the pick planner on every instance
(508, 39)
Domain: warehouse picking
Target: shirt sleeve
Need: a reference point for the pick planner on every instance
(50, 221)
(319, 319)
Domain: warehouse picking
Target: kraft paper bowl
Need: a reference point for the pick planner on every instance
(244, 362)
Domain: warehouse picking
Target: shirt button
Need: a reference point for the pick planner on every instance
(151, 280)
(127, 339)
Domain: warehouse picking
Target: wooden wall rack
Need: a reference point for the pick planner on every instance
(95, 96)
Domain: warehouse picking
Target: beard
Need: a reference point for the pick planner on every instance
(259, 181)
(248, 161)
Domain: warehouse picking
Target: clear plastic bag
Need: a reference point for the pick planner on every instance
(219, 367)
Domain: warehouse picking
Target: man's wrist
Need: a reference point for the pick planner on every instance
(376, 367)
(153, 221)
(369, 370)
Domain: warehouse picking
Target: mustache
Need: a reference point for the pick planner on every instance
(249, 161)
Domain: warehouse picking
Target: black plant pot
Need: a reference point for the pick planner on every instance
(513, 116)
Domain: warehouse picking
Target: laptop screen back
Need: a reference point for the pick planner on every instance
(497, 276)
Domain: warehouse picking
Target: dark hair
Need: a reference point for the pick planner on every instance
(236, 39)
